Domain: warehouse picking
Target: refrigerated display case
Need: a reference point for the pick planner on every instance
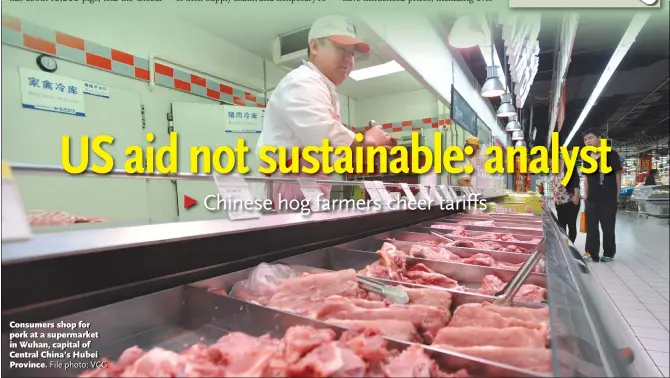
(652, 200)
(165, 285)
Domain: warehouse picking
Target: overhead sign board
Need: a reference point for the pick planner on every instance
(53, 93)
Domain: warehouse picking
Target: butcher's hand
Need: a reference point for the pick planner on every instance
(377, 137)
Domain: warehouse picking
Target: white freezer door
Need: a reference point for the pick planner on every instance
(34, 136)
(205, 125)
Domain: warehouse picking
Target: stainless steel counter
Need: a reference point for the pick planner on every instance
(582, 340)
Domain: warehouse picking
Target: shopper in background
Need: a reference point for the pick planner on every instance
(566, 200)
(601, 194)
(469, 179)
(305, 108)
(651, 178)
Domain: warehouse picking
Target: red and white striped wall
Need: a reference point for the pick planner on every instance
(24, 34)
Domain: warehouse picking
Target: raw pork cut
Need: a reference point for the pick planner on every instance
(526, 358)
(393, 265)
(433, 253)
(480, 259)
(37, 218)
(396, 329)
(483, 315)
(528, 292)
(483, 259)
(513, 335)
(444, 226)
(336, 297)
(429, 319)
(423, 275)
(481, 336)
(304, 351)
(305, 294)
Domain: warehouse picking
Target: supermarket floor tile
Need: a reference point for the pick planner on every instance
(637, 281)
(660, 358)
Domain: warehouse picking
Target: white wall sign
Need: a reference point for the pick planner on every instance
(243, 119)
(235, 190)
(96, 90)
(54, 93)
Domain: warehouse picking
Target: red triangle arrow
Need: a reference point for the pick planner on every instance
(188, 201)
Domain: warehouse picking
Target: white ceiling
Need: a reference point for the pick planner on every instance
(255, 32)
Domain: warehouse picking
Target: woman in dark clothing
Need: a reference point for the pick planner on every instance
(566, 200)
(651, 178)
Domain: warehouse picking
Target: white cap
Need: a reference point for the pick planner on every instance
(338, 29)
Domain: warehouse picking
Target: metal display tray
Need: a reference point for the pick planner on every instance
(504, 230)
(498, 224)
(470, 276)
(177, 318)
(421, 237)
(374, 243)
(484, 218)
(524, 240)
(528, 217)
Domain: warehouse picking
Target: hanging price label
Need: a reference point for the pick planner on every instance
(452, 192)
(371, 188)
(435, 195)
(15, 225)
(235, 192)
(423, 193)
(312, 192)
(445, 193)
(383, 193)
(408, 193)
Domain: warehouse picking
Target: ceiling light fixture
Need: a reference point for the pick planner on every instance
(493, 87)
(520, 144)
(466, 33)
(376, 71)
(492, 61)
(506, 108)
(627, 40)
(513, 124)
(517, 135)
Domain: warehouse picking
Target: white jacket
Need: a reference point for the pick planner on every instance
(303, 111)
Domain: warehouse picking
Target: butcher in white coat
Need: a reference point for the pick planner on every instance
(305, 107)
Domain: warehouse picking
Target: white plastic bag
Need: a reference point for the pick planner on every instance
(262, 282)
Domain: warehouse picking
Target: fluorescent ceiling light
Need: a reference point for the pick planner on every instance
(624, 45)
(375, 71)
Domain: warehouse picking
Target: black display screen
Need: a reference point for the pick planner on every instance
(462, 113)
